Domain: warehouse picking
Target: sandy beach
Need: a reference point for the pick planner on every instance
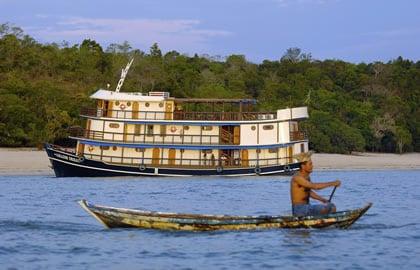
(28, 161)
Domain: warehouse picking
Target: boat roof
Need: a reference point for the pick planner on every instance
(125, 96)
(160, 96)
(216, 100)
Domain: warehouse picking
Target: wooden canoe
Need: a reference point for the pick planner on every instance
(112, 217)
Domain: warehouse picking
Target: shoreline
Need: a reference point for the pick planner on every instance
(31, 161)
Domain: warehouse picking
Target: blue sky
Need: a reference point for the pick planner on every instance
(351, 30)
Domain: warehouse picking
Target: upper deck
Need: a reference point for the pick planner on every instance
(160, 106)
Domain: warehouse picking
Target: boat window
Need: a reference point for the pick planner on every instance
(147, 104)
(272, 150)
(128, 104)
(140, 150)
(114, 148)
(160, 104)
(207, 128)
(186, 127)
(117, 103)
(114, 125)
(149, 130)
(268, 127)
(302, 147)
(104, 147)
(258, 150)
(253, 128)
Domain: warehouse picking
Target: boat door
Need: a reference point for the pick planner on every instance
(236, 135)
(171, 156)
(245, 158)
(88, 125)
(155, 156)
(109, 109)
(290, 154)
(80, 148)
(168, 110)
(135, 112)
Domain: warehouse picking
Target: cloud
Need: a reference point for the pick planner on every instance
(182, 35)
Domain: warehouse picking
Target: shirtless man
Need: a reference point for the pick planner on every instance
(301, 189)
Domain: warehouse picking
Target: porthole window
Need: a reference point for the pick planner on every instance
(147, 104)
(114, 125)
(161, 104)
(268, 127)
(253, 127)
(186, 127)
(207, 128)
(128, 104)
(114, 148)
(117, 103)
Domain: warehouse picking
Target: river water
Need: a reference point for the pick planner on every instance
(43, 227)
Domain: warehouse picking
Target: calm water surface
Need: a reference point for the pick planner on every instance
(43, 227)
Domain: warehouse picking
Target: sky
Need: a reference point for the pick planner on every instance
(350, 30)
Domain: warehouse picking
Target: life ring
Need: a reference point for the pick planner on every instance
(219, 169)
(257, 170)
(287, 168)
(173, 129)
(122, 106)
(142, 167)
(81, 159)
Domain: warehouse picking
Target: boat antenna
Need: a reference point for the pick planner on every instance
(123, 74)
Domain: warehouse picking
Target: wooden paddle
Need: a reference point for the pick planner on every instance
(332, 194)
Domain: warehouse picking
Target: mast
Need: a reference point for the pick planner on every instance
(123, 74)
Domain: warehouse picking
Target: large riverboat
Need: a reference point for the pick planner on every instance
(154, 134)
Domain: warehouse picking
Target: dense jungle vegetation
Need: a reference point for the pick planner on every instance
(353, 107)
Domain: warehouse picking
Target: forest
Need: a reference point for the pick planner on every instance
(353, 107)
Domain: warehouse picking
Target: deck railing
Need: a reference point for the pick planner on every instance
(194, 139)
(178, 115)
(144, 137)
(188, 162)
(298, 136)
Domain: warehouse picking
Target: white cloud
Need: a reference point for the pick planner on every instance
(182, 35)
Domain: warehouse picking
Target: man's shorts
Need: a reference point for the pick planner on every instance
(301, 210)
